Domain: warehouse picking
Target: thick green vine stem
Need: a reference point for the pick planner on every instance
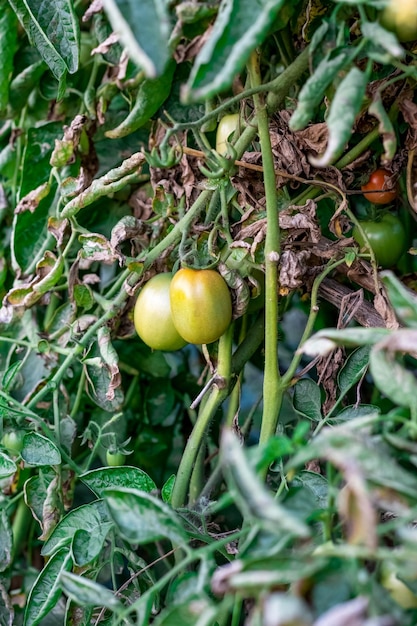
(219, 392)
(272, 388)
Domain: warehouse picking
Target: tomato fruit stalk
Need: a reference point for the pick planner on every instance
(201, 305)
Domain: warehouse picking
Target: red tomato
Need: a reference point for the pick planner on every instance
(377, 190)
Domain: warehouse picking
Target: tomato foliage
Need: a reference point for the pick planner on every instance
(208, 396)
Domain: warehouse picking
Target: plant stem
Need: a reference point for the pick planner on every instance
(272, 389)
(219, 392)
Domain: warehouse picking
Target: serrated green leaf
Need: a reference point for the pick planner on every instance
(87, 592)
(39, 450)
(106, 477)
(144, 29)
(46, 589)
(240, 27)
(142, 518)
(8, 46)
(53, 29)
(90, 517)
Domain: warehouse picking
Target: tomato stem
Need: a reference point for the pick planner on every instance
(271, 388)
(218, 394)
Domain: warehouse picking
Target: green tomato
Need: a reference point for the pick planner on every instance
(12, 440)
(153, 318)
(114, 459)
(225, 130)
(400, 16)
(387, 239)
(201, 305)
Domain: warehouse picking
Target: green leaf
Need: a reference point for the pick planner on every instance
(86, 546)
(378, 35)
(106, 477)
(240, 27)
(195, 609)
(386, 127)
(354, 368)
(7, 466)
(151, 95)
(10, 375)
(250, 494)
(307, 399)
(103, 381)
(402, 299)
(39, 450)
(313, 90)
(168, 486)
(393, 379)
(90, 517)
(144, 29)
(328, 339)
(8, 46)
(316, 484)
(23, 84)
(6, 540)
(87, 592)
(345, 106)
(46, 589)
(53, 29)
(351, 442)
(142, 518)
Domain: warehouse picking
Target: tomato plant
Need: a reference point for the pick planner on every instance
(376, 190)
(225, 129)
(201, 305)
(152, 315)
(386, 236)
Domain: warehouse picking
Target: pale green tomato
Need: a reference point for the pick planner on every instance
(225, 130)
(153, 318)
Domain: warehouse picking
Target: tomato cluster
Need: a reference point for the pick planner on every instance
(193, 306)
